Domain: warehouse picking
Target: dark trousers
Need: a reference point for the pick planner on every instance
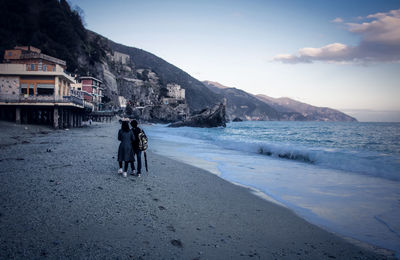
(138, 155)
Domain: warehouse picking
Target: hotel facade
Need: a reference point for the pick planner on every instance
(34, 88)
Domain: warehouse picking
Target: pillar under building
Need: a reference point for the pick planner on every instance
(18, 115)
(71, 118)
(55, 118)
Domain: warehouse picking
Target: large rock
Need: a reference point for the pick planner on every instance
(160, 113)
(214, 117)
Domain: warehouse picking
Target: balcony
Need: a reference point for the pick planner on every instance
(40, 99)
(22, 69)
(88, 105)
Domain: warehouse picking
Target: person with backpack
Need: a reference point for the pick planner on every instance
(125, 151)
(139, 145)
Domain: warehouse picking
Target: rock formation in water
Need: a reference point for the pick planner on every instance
(213, 117)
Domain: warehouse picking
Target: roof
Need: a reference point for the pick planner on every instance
(89, 77)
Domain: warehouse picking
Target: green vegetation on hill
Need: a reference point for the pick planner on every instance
(50, 25)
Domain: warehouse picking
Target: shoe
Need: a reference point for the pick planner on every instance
(138, 174)
(124, 174)
(120, 171)
(133, 173)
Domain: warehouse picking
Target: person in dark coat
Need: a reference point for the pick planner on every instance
(125, 151)
(137, 152)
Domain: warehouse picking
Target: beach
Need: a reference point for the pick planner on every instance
(61, 197)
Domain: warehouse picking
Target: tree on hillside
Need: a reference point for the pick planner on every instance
(50, 25)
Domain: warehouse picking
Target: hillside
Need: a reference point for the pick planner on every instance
(242, 105)
(51, 26)
(197, 96)
(311, 113)
(56, 29)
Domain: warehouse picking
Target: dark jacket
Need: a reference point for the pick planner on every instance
(136, 131)
(125, 151)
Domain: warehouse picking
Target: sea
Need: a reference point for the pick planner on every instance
(341, 176)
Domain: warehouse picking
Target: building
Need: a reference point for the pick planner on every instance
(122, 101)
(119, 57)
(92, 91)
(34, 88)
(33, 59)
(175, 94)
(76, 90)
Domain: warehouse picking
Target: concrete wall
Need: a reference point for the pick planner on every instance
(9, 87)
(120, 57)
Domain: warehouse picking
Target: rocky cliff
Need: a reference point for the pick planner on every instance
(146, 81)
(210, 117)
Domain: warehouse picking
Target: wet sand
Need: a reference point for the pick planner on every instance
(61, 197)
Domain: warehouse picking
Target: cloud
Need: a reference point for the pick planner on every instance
(337, 20)
(380, 42)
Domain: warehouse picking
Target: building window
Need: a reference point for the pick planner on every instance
(45, 67)
(10, 53)
(31, 90)
(45, 91)
(23, 88)
(32, 66)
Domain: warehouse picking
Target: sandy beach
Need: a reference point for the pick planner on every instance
(61, 197)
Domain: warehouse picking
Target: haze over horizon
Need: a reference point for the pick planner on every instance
(339, 54)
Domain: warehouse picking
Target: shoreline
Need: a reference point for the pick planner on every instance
(70, 203)
(258, 193)
(323, 196)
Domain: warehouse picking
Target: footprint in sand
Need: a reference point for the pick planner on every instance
(177, 243)
(171, 228)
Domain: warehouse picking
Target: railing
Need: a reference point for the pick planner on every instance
(12, 68)
(88, 105)
(74, 100)
(22, 69)
(40, 99)
(43, 56)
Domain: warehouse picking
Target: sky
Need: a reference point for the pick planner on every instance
(339, 54)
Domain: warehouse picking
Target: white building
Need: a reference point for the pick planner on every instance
(120, 57)
(175, 91)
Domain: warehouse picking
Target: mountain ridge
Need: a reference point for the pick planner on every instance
(286, 108)
(314, 113)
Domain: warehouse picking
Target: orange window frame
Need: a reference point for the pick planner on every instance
(33, 82)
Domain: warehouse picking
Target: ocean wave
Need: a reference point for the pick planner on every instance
(287, 155)
(367, 163)
(318, 153)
